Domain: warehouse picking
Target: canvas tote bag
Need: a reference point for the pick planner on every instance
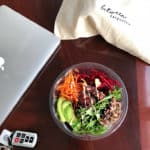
(123, 23)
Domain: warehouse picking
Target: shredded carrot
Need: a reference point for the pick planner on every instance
(69, 88)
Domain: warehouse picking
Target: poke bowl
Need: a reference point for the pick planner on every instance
(88, 101)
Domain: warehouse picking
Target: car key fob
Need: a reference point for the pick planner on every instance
(24, 139)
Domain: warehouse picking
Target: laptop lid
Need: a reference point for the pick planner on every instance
(24, 49)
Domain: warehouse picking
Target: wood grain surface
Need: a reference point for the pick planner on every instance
(32, 112)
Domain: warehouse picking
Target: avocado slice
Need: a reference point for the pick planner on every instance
(59, 108)
(68, 111)
(65, 104)
(65, 111)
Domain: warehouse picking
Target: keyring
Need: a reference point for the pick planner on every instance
(5, 148)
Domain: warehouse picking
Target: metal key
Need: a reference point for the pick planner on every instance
(8, 146)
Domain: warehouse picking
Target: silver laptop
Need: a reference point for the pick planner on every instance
(24, 49)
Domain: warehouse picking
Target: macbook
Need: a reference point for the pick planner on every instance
(24, 49)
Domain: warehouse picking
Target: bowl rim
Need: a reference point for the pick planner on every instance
(88, 137)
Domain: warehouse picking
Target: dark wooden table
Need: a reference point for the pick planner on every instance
(32, 112)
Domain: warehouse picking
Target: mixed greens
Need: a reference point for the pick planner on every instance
(88, 101)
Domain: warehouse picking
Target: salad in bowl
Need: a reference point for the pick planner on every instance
(88, 101)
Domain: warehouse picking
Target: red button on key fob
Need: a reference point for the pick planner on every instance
(16, 140)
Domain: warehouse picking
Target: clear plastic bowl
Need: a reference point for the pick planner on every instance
(124, 101)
